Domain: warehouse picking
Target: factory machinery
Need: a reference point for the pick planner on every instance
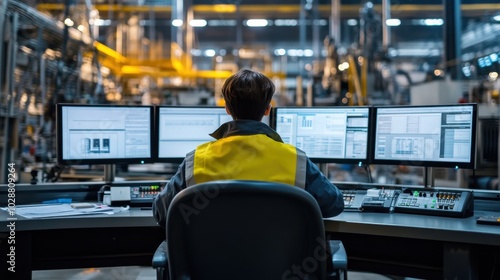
(50, 53)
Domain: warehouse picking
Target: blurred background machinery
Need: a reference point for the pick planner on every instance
(318, 52)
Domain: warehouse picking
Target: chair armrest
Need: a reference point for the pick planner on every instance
(160, 256)
(339, 255)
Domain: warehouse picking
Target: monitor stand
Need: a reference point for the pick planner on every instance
(428, 177)
(109, 173)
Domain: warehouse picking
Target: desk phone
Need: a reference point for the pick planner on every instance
(450, 203)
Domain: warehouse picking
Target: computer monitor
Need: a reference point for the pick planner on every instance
(326, 134)
(104, 134)
(427, 136)
(180, 129)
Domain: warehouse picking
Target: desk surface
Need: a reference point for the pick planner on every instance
(105, 236)
(438, 228)
(134, 217)
(464, 230)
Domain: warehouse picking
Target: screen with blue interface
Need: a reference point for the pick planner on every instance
(326, 134)
(428, 136)
(180, 129)
(104, 134)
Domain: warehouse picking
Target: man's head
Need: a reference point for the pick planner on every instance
(248, 95)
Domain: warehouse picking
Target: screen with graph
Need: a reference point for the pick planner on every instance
(326, 134)
(428, 136)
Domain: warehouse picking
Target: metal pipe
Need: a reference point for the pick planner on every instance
(302, 33)
(452, 15)
(315, 31)
(3, 25)
(9, 88)
(386, 31)
(335, 21)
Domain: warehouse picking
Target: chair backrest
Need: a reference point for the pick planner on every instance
(245, 230)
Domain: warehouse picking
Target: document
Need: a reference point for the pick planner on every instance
(58, 210)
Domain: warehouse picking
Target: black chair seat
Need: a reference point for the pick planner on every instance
(247, 230)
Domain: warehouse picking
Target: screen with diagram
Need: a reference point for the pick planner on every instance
(181, 129)
(429, 136)
(104, 134)
(326, 134)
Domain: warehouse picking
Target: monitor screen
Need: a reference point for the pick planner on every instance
(104, 134)
(326, 134)
(428, 136)
(180, 129)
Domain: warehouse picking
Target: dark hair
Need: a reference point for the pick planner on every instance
(248, 94)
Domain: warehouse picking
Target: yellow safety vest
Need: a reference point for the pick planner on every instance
(246, 157)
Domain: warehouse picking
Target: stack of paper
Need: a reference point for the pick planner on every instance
(58, 210)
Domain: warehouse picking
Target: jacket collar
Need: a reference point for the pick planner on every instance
(245, 127)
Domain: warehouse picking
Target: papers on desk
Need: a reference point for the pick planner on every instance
(58, 210)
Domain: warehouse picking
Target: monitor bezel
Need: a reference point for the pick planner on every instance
(471, 164)
(357, 161)
(98, 161)
(176, 160)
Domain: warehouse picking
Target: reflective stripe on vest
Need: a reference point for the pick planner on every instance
(249, 157)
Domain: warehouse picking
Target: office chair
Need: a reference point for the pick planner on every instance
(246, 230)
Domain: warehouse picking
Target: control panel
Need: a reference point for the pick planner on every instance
(436, 202)
(137, 194)
(353, 199)
(144, 193)
(379, 200)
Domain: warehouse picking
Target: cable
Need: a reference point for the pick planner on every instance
(474, 178)
(54, 173)
(368, 172)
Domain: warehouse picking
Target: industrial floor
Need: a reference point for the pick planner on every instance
(145, 273)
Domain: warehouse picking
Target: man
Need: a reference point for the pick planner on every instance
(247, 149)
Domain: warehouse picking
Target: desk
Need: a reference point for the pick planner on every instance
(419, 246)
(395, 244)
(122, 239)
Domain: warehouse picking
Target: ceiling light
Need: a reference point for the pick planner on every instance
(196, 52)
(198, 23)
(308, 52)
(101, 22)
(433, 22)
(493, 76)
(496, 18)
(352, 22)
(279, 52)
(286, 22)
(221, 22)
(256, 22)
(393, 22)
(209, 53)
(69, 22)
(177, 22)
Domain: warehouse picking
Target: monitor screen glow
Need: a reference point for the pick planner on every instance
(180, 129)
(429, 136)
(104, 134)
(326, 134)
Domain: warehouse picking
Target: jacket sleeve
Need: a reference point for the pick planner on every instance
(328, 196)
(164, 198)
